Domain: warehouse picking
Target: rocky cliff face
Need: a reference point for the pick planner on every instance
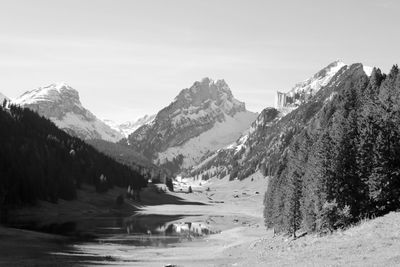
(201, 119)
(61, 104)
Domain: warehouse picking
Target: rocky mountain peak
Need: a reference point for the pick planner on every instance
(304, 90)
(206, 91)
(55, 92)
(202, 118)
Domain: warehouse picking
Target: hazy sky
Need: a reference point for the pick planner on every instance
(130, 58)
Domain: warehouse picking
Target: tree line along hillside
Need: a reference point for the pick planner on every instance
(345, 164)
(38, 161)
(124, 155)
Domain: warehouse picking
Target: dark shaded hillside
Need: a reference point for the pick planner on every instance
(123, 154)
(38, 161)
(126, 155)
(345, 163)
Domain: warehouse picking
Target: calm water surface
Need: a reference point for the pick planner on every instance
(98, 239)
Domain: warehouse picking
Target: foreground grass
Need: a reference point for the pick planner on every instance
(371, 243)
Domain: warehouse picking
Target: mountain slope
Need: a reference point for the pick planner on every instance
(344, 164)
(273, 130)
(61, 104)
(124, 155)
(129, 127)
(201, 119)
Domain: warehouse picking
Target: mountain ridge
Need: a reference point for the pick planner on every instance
(304, 90)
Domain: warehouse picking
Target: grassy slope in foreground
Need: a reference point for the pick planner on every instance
(371, 243)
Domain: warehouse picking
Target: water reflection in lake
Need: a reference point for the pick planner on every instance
(108, 239)
(158, 230)
(137, 230)
(194, 229)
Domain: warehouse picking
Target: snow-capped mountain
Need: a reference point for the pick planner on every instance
(200, 120)
(61, 104)
(303, 91)
(129, 127)
(306, 89)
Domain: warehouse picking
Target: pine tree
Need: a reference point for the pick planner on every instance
(318, 181)
(292, 215)
(298, 156)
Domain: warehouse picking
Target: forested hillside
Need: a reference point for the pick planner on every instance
(38, 161)
(345, 164)
(123, 154)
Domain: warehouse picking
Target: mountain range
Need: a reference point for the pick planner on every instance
(205, 127)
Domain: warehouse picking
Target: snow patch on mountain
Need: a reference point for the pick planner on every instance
(129, 127)
(303, 91)
(60, 103)
(367, 70)
(80, 127)
(219, 136)
(239, 144)
(319, 80)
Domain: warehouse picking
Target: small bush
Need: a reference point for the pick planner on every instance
(332, 217)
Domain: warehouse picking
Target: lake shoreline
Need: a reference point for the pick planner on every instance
(193, 207)
(235, 211)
